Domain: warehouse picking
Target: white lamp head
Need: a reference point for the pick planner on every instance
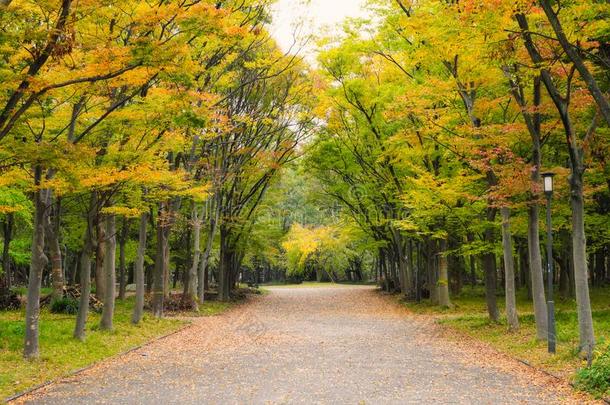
(548, 182)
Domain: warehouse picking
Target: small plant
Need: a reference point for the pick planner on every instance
(596, 379)
(64, 305)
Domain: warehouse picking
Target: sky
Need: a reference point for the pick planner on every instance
(311, 16)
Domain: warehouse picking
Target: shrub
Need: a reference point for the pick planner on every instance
(64, 305)
(596, 379)
(9, 301)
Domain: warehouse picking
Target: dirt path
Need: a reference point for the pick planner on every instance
(341, 345)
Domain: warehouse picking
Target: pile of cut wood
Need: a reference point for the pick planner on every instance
(74, 293)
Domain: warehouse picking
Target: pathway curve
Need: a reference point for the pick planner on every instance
(335, 345)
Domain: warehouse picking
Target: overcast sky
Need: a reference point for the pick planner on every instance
(311, 16)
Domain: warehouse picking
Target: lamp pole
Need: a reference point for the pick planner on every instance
(548, 191)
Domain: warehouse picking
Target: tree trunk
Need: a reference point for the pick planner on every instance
(224, 272)
(457, 267)
(37, 265)
(566, 280)
(404, 265)
(410, 293)
(536, 274)
(110, 273)
(166, 263)
(600, 267)
(53, 220)
(187, 263)
(417, 272)
(122, 264)
(564, 277)
(509, 272)
(100, 254)
(159, 270)
(202, 272)
(472, 260)
(206, 276)
(443, 276)
(149, 271)
(384, 270)
(489, 267)
(75, 269)
(138, 309)
(579, 249)
(432, 273)
(525, 271)
(85, 271)
(7, 228)
(191, 290)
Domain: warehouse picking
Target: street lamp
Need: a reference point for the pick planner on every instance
(548, 191)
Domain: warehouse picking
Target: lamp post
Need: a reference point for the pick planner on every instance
(548, 191)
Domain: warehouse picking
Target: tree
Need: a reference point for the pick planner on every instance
(577, 167)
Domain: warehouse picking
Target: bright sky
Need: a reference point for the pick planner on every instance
(307, 17)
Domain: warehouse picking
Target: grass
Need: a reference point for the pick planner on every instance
(310, 284)
(208, 308)
(469, 315)
(61, 354)
(23, 290)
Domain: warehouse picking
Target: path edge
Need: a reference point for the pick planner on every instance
(445, 327)
(94, 364)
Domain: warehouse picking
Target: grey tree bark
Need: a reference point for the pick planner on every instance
(37, 264)
(403, 264)
(52, 223)
(109, 273)
(138, 309)
(191, 290)
(443, 276)
(432, 271)
(85, 271)
(203, 265)
(579, 250)
(509, 270)
(100, 254)
(225, 268)
(158, 289)
(536, 274)
(489, 267)
(122, 265)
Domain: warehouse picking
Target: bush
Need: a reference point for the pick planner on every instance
(64, 305)
(596, 379)
(9, 301)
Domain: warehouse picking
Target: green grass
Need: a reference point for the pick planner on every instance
(23, 290)
(307, 284)
(469, 315)
(61, 354)
(208, 308)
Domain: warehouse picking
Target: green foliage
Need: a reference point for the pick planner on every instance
(64, 305)
(596, 379)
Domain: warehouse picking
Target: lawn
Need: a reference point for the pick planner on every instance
(61, 354)
(469, 315)
(313, 284)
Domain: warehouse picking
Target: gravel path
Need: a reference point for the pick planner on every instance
(335, 345)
